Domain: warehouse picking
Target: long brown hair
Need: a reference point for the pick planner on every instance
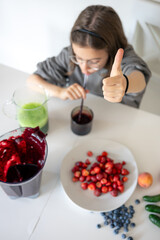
(108, 29)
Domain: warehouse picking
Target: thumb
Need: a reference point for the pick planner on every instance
(116, 67)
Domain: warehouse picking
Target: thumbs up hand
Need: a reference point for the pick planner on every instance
(115, 85)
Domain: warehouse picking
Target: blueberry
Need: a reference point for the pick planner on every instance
(131, 207)
(128, 221)
(132, 211)
(106, 223)
(116, 231)
(106, 217)
(132, 224)
(123, 236)
(125, 229)
(103, 213)
(112, 225)
(129, 238)
(137, 201)
(99, 226)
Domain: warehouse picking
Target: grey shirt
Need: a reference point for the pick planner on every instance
(54, 70)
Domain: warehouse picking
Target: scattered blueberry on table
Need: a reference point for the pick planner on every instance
(137, 201)
(120, 219)
(99, 226)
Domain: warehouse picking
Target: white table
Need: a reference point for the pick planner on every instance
(53, 215)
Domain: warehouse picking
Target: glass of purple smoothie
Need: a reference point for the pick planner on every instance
(81, 120)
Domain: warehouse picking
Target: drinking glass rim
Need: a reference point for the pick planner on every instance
(30, 109)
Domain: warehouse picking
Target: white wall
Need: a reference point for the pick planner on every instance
(32, 30)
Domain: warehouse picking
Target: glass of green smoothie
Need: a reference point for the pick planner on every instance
(30, 103)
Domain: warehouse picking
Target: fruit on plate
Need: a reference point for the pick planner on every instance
(145, 180)
(101, 176)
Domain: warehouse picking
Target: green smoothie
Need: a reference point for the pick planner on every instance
(33, 114)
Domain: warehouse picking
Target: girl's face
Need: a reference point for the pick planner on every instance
(89, 59)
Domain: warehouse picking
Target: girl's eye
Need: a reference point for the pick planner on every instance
(94, 62)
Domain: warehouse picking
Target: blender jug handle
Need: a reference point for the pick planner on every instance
(9, 109)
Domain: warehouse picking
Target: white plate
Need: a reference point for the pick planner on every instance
(86, 198)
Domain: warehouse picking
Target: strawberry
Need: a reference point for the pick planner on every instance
(75, 179)
(124, 171)
(75, 168)
(87, 162)
(109, 159)
(84, 185)
(93, 178)
(119, 183)
(114, 185)
(121, 188)
(84, 165)
(104, 153)
(77, 174)
(108, 183)
(103, 180)
(109, 165)
(99, 176)
(125, 179)
(110, 188)
(88, 178)
(97, 192)
(108, 171)
(103, 160)
(116, 178)
(114, 171)
(95, 165)
(92, 172)
(89, 153)
(85, 172)
(98, 184)
(98, 158)
(82, 178)
(118, 165)
(79, 164)
(92, 186)
(96, 169)
(114, 193)
(104, 189)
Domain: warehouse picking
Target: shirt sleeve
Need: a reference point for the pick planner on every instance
(54, 70)
(131, 62)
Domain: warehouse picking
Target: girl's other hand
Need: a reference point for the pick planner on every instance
(115, 85)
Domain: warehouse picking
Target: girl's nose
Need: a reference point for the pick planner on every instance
(84, 67)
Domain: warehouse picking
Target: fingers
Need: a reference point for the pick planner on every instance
(75, 91)
(114, 88)
(116, 67)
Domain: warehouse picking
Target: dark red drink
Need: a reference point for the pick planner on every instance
(85, 118)
(81, 122)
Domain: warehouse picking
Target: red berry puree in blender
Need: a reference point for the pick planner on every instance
(23, 150)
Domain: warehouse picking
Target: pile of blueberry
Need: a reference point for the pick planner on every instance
(120, 218)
